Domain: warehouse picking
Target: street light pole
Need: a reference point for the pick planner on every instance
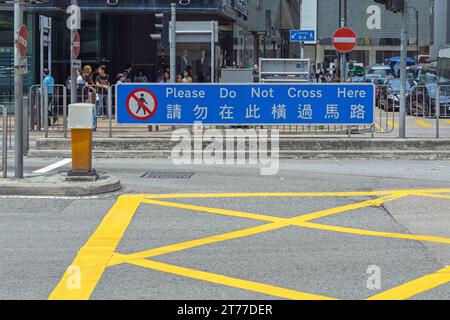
(18, 93)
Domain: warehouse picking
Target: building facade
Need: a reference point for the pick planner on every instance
(441, 27)
(115, 33)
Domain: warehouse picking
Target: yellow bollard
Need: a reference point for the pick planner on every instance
(81, 123)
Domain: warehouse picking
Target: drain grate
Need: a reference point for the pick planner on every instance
(168, 175)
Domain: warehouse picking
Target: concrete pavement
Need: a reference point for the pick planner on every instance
(270, 259)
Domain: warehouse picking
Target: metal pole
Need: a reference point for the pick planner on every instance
(65, 110)
(5, 142)
(417, 34)
(404, 53)
(213, 52)
(110, 92)
(73, 72)
(173, 44)
(18, 93)
(438, 109)
(302, 44)
(41, 73)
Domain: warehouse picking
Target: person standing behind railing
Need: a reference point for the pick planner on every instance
(49, 84)
(102, 83)
(89, 85)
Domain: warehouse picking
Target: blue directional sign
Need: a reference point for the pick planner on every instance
(246, 104)
(303, 35)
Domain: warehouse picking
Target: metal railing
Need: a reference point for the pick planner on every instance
(386, 109)
(442, 105)
(430, 101)
(4, 141)
(55, 108)
(420, 103)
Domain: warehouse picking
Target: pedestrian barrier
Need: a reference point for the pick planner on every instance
(55, 109)
(429, 101)
(4, 141)
(441, 105)
(386, 113)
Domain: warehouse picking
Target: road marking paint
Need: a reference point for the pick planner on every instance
(416, 287)
(423, 124)
(393, 124)
(93, 257)
(346, 208)
(98, 253)
(447, 121)
(122, 258)
(291, 194)
(371, 233)
(54, 166)
(431, 195)
(278, 223)
(231, 213)
(229, 281)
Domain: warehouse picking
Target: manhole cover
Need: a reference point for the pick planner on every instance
(167, 175)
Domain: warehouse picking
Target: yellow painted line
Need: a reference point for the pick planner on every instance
(268, 195)
(416, 287)
(231, 213)
(121, 258)
(289, 195)
(371, 233)
(346, 208)
(393, 124)
(423, 124)
(229, 281)
(98, 252)
(278, 223)
(93, 257)
(447, 121)
(433, 195)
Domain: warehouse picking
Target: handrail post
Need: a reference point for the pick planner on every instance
(45, 109)
(438, 109)
(110, 91)
(65, 110)
(5, 142)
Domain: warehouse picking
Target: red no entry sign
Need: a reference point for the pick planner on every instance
(345, 40)
(22, 41)
(76, 45)
(142, 104)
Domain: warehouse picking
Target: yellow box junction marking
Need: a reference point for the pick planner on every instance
(100, 253)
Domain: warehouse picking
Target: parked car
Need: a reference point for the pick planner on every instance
(388, 94)
(422, 102)
(380, 72)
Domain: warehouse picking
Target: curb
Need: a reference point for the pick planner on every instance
(286, 154)
(57, 186)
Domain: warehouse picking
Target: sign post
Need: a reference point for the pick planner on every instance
(75, 48)
(20, 51)
(76, 40)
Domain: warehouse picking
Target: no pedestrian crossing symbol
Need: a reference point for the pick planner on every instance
(246, 104)
(141, 104)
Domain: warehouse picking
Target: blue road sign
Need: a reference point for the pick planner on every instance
(303, 35)
(246, 104)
